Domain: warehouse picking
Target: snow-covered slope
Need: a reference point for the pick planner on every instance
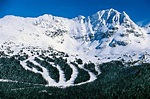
(147, 28)
(104, 36)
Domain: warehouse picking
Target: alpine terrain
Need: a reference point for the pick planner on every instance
(60, 53)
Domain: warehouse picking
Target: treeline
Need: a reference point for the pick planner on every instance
(115, 82)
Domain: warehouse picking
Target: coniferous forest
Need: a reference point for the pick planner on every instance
(116, 81)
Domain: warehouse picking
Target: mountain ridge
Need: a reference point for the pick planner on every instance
(78, 43)
(104, 28)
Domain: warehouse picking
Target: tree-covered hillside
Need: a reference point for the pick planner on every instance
(115, 82)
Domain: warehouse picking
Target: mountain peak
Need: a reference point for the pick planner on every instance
(110, 16)
(111, 10)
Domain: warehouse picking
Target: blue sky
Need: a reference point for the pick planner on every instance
(138, 10)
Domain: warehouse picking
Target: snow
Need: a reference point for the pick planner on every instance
(114, 36)
(45, 73)
(6, 80)
(61, 76)
(74, 74)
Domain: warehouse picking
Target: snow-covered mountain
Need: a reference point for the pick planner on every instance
(104, 36)
(147, 28)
